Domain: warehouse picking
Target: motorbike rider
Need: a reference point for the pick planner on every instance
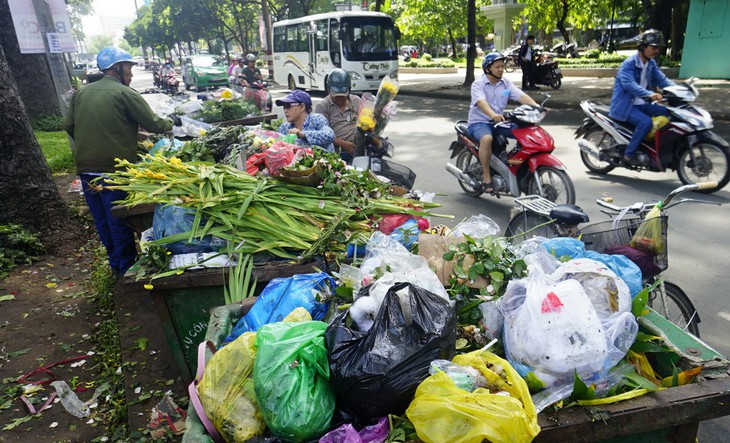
(237, 77)
(103, 119)
(633, 91)
(489, 96)
(527, 63)
(340, 108)
(251, 73)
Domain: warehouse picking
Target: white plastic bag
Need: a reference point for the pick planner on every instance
(476, 226)
(556, 331)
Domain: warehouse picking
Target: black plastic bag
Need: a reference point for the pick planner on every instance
(376, 373)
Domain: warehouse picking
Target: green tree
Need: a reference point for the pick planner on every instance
(99, 42)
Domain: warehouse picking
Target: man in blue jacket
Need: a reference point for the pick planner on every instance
(633, 91)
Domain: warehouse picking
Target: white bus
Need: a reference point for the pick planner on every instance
(307, 49)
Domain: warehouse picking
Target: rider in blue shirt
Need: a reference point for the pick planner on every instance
(633, 91)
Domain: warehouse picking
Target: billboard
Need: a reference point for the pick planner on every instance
(30, 33)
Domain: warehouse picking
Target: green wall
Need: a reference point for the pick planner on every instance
(707, 36)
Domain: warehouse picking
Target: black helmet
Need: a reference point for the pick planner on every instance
(339, 82)
(250, 58)
(651, 37)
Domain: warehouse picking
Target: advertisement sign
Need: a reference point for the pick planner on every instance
(30, 34)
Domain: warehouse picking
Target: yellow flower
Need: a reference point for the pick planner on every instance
(226, 94)
(175, 161)
(51, 285)
(366, 123)
(149, 287)
(389, 87)
(147, 144)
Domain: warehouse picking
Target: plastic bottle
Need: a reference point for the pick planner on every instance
(70, 400)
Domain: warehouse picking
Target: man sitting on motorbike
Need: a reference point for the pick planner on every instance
(633, 91)
(251, 73)
(489, 96)
(340, 108)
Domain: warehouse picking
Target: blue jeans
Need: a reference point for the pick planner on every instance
(640, 116)
(480, 129)
(116, 236)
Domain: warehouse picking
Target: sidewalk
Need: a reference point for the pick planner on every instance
(714, 94)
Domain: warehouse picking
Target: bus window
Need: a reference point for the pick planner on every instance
(335, 42)
(279, 40)
(366, 39)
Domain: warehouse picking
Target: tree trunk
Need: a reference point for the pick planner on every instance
(471, 32)
(452, 40)
(30, 71)
(561, 22)
(679, 24)
(28, 195)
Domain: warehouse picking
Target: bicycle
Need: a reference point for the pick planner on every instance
(538, 216)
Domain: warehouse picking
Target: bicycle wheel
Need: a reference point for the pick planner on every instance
(525, 225)
(675, 306)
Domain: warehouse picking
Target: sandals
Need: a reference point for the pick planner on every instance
(488, 188)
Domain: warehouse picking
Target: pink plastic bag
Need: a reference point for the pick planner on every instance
(346, 433)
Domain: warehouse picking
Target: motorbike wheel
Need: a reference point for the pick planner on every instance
(525, 225)
(599, 139)
(711, 163)
(556, 185)
(556, 83)
(676, 307)
(469, 163)
(510, 65)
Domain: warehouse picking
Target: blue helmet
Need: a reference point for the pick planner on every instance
(491, 58)
(108, 57)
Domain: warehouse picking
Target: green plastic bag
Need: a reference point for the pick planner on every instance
(291, 380)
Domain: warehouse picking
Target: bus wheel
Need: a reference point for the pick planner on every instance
(292, 85)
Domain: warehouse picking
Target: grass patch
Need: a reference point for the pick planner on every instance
(56, 148)
(424, 63)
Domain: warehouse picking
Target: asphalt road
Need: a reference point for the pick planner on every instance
(423, 130)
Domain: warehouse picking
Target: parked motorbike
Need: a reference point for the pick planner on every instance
(511, 61)
(375, 148)
(157, 79)
(685, 143)
(547, 71)
(528, 167)
(563, 50)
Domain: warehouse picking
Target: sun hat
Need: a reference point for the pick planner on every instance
(296, 96)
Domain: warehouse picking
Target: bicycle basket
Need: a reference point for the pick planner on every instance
(398, 174)
(606, 238)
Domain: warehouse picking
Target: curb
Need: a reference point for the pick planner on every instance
(554, 102)
(404, 70)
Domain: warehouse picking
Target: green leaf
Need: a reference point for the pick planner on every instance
(449, 255)
(580, 390)
(533, 382)
(459, 271)
(142, 343)
(18, 353)
(19, 421)
(7, 297)
(638, 305)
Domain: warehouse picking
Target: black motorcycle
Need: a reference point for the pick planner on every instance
(370, 150)
(564, 50)
(546, 71)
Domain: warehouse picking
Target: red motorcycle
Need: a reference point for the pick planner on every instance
(528, 167)
(170, 83)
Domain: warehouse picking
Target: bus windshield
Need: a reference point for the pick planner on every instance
(368, 38)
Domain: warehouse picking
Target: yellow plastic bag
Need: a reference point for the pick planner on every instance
(227, 392)
(441, 412)
(657, 123)
(650, 237)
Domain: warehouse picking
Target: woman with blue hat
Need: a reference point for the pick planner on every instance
(310, 128)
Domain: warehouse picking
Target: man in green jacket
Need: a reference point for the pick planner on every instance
(103, 120)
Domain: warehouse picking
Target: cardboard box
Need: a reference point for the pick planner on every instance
(432, 247)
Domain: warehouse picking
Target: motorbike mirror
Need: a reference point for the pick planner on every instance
(692, 80)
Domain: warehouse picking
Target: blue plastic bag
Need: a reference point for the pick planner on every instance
(283, 295)
(171, 220)
(620, 264)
